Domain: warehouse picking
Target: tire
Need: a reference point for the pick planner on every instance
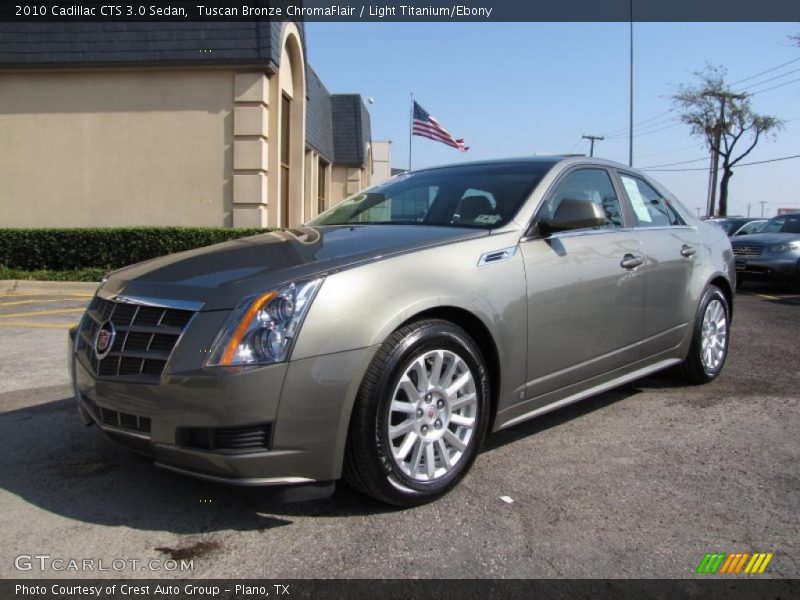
(700, 366)
(400, 413)
(739, 281)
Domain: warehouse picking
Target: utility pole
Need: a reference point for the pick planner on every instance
(719, 127)
(630, 92)
(592, 139)
(697, 208)
(748, 209)
(763, 204)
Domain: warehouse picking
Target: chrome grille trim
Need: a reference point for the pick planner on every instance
(741, 250)
(134, 356)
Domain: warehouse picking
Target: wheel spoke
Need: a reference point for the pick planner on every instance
(410, 389)
(462, 401)
(462, 421)
(416, 458)
(403, 407)
(430, 459)
(406, 446)
(462, 380)
(444, 453)
(403, 428)
(423, 382)
(452, 439)
(448, 375)
(436, 368)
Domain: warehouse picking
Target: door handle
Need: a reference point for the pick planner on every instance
(687, 250)
(630, 261)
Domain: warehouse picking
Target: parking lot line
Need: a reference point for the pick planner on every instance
(16, 302)
(45, 294)
(35, 313)
(32, 324)
(768, 297)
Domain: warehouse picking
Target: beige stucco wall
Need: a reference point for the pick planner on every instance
(116, 148)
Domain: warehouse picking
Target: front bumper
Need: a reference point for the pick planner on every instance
(767, 267)
(301, 410)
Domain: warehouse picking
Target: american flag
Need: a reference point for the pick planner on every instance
(424, 125)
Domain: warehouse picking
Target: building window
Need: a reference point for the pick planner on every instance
(322, 171)
(286, 106)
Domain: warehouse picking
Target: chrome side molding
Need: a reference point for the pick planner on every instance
(495, 256)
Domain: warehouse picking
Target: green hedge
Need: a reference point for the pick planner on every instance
(103, 248)
(88, 274)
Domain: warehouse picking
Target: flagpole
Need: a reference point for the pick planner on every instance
(410, 129)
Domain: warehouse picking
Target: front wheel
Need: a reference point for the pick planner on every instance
(709, 347)
(420, 416)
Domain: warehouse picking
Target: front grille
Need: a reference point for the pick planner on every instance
(747, 250)
(145, 338)
(124, 420)
(227, 440)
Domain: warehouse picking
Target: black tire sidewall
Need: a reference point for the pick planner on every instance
(430, 336)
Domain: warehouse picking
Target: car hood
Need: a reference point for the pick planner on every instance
(219, 276)
(765, 239)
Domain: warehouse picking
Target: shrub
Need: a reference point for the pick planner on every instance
(103, 248)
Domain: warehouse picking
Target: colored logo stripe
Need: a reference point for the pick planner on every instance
(758, 563)
(720, 562)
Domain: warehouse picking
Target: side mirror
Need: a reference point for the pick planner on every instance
(574, 214)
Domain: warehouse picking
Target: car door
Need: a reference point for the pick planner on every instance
(585, 290)
(672, 251)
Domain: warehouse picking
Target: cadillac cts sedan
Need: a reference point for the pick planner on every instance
(382, 341)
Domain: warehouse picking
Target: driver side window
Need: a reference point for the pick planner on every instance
(592, 185)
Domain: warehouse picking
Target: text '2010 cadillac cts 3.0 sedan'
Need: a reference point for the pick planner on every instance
(384, 339)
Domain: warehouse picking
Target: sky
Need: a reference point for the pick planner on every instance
(515, 89)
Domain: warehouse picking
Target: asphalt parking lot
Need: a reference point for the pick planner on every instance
(638, 482)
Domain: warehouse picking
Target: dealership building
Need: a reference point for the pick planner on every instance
(196, 124)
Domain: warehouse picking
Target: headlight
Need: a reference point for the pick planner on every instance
(261, 329)
(788, 247)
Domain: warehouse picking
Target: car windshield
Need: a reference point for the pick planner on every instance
(480, 196)
(782, 224)
(728, 225)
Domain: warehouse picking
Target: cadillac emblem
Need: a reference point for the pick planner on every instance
(104, 339)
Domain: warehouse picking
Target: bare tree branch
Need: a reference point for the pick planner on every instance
(722, 118)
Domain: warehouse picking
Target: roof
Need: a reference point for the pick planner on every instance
(92, 44)
(351, 129)
(319, 116)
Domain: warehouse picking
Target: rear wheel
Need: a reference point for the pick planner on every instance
(420, 416)
(709, 347)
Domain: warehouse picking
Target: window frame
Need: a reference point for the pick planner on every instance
(619, 174)
(625, 209)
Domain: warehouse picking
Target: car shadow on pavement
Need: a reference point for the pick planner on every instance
(57, 464)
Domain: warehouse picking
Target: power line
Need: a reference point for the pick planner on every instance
(623, 130)
(646, 132)
(766, 71)
(758, 83)
(775, 87)
(747, 164)
(683, 162)
(661, 153)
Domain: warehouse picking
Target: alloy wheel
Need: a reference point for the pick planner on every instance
(433, 415)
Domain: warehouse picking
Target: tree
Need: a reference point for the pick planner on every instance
(723, 119)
